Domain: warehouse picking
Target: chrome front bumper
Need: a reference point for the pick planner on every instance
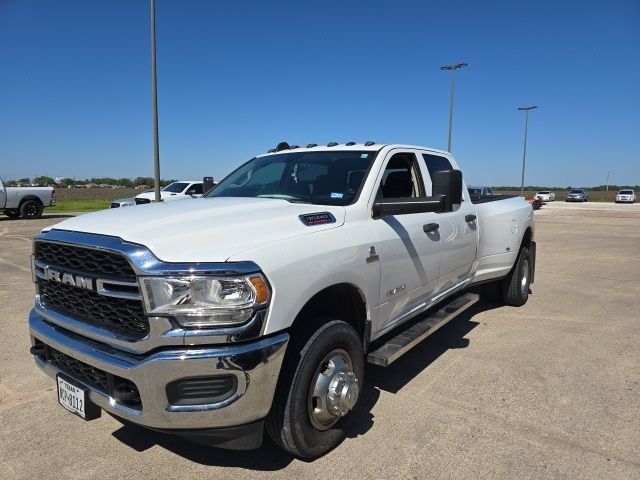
(256, 366)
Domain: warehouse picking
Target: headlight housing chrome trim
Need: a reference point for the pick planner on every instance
(205, 300)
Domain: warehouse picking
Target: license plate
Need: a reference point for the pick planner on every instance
(75, 398)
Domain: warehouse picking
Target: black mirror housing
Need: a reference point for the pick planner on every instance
(448, 183)
(405, 206)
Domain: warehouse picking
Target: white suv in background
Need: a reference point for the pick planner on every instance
(626, 196)
(179, 190)
(546, 196)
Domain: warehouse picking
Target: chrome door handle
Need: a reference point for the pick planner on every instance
(430, 227)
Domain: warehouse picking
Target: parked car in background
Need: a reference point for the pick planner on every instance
(123, 202)
(577, 195)
(480, 191)
(626, 196)
(545, 196)
(180, 190)
(25, 202)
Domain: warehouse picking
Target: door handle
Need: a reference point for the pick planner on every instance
(430, 227)
(469, 218)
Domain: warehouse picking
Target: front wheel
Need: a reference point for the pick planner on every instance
(318, 391)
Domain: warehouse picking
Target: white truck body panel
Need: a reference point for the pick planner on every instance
(299, 260)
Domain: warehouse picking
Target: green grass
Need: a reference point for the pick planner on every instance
(85, 205)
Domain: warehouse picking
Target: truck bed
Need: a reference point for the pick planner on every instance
(489, 198)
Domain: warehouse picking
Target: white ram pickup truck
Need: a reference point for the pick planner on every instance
(180, 190)
(258, 305)
(25, 202)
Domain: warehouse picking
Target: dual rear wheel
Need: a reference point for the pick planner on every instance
(514, 288)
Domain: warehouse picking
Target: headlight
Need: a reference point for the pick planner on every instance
(204, 301)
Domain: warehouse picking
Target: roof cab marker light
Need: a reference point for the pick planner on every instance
(369, 143)
(311, 145)
(332, 144)
(349, 144)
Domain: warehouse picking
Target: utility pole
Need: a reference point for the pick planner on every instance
(154, 101)
(524, 153)
(452, 69)
(608, 172)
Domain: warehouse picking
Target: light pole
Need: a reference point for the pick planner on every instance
(154, 101)
(452, 69)
(608, 181)
(524, 153)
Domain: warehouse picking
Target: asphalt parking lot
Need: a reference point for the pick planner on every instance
(550, 390)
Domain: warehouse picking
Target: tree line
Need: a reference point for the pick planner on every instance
(44, 181)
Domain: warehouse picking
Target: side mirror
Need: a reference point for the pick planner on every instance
(448, 183)
(207, 184)
(405, 206)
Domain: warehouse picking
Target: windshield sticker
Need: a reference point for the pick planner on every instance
(364, 155)
(337, 195)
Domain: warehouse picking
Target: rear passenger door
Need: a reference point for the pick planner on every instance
(458, 230)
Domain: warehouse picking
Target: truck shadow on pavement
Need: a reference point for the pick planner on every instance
(269, 457)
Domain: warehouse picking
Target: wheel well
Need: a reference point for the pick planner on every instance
(343, 301)
(526, 238)
(29, 197)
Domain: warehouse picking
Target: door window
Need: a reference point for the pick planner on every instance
(401, 178)
(195, 189)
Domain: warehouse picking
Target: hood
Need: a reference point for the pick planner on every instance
(204, 229)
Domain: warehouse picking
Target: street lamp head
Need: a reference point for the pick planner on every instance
(454, 67)
(527, 108)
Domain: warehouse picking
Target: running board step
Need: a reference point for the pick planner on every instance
(405, 340)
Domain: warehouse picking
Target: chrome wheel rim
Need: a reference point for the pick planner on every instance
(524, 282)
(333, 391)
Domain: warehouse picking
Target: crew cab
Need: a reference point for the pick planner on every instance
(626, 196)
(180, 190)
(25, 202)
(260, 304)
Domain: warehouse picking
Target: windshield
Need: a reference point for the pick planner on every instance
(325, 178)
(626, 192)
(544, 193)
(575, 191)
(175, 187)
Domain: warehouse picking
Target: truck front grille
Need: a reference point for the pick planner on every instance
(119, 315)
(141, 201)
(123, 317)
(90, 376)
(120, 389)
(85, 260)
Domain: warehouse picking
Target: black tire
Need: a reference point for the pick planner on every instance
(290, 423)
(31, 209)
(12, 214)
(515, 287)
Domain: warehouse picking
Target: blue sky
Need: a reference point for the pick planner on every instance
(234, 78)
